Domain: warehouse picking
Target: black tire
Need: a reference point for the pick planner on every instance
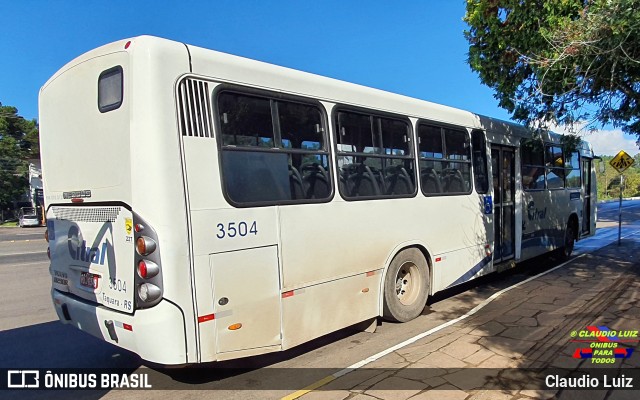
(406, 286)
(569, 243)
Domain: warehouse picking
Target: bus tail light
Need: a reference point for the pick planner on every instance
(147, 264)
(147, 269)
(46, 235)
(149, 292)
(145, 245)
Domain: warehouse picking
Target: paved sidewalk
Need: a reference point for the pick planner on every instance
(544, 323)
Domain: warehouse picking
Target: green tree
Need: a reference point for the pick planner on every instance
(631, 184)
(553, 61)
(18, 143)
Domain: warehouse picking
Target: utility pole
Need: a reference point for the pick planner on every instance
(621, 162)
(620, 210)
(606, 183)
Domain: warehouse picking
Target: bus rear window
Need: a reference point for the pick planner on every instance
(110, 91)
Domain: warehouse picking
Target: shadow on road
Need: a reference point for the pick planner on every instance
(54, 345)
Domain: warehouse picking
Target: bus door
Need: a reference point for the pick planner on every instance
(503, 172)
(586, 189)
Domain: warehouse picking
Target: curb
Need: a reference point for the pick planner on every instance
(617, 200)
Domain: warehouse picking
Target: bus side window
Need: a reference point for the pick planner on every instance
(480, 175)
(374, 156)
(532, 169)
(252, 177)
(246, 121)
(445, 160)
(431, 156)
(572, 165)
(458, 152)
(554, 160)
(272, 151)
(301, 129)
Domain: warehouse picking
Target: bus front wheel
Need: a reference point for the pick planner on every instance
(406, 286)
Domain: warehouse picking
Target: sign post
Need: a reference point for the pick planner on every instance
(621, 162)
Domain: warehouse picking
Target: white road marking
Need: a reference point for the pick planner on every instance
(32, 263)
(34, 253)
(22, 240)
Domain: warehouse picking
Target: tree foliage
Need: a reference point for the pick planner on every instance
(18, 143)
(560, 61)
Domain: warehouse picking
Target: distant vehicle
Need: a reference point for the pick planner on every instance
(27, 216)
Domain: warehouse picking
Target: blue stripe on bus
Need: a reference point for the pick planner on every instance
(470, 274)
(541, 237)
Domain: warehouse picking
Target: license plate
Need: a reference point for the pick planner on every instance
(89, 280)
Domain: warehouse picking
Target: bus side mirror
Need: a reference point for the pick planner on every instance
(601, 166)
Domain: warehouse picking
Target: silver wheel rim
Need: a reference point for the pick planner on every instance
(408, 283)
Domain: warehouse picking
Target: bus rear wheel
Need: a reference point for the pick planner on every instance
(406, 286)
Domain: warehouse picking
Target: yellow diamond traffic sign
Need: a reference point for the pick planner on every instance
(621, 161)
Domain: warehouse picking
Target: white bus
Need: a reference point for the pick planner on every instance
(205, 207)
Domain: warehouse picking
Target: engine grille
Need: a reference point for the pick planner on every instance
(86, 214)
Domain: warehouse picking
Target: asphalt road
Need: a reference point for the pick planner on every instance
(608, 212)
(31, 336)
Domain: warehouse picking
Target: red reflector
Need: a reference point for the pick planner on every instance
(438, 259)
(127, 327)
(206, 318)
(77, 200)
(126, 46)
(139, 228)
(287, 294)
(371, 273)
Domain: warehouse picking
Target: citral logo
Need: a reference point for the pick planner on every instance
(80, 251)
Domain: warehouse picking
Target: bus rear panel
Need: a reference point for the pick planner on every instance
(104, 243)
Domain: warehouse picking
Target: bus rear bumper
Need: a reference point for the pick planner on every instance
(156, 334)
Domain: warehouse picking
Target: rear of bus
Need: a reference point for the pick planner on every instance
(113, 189)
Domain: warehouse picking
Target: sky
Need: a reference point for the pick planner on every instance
(415, 48)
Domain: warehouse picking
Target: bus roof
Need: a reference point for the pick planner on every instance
(231, 68)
